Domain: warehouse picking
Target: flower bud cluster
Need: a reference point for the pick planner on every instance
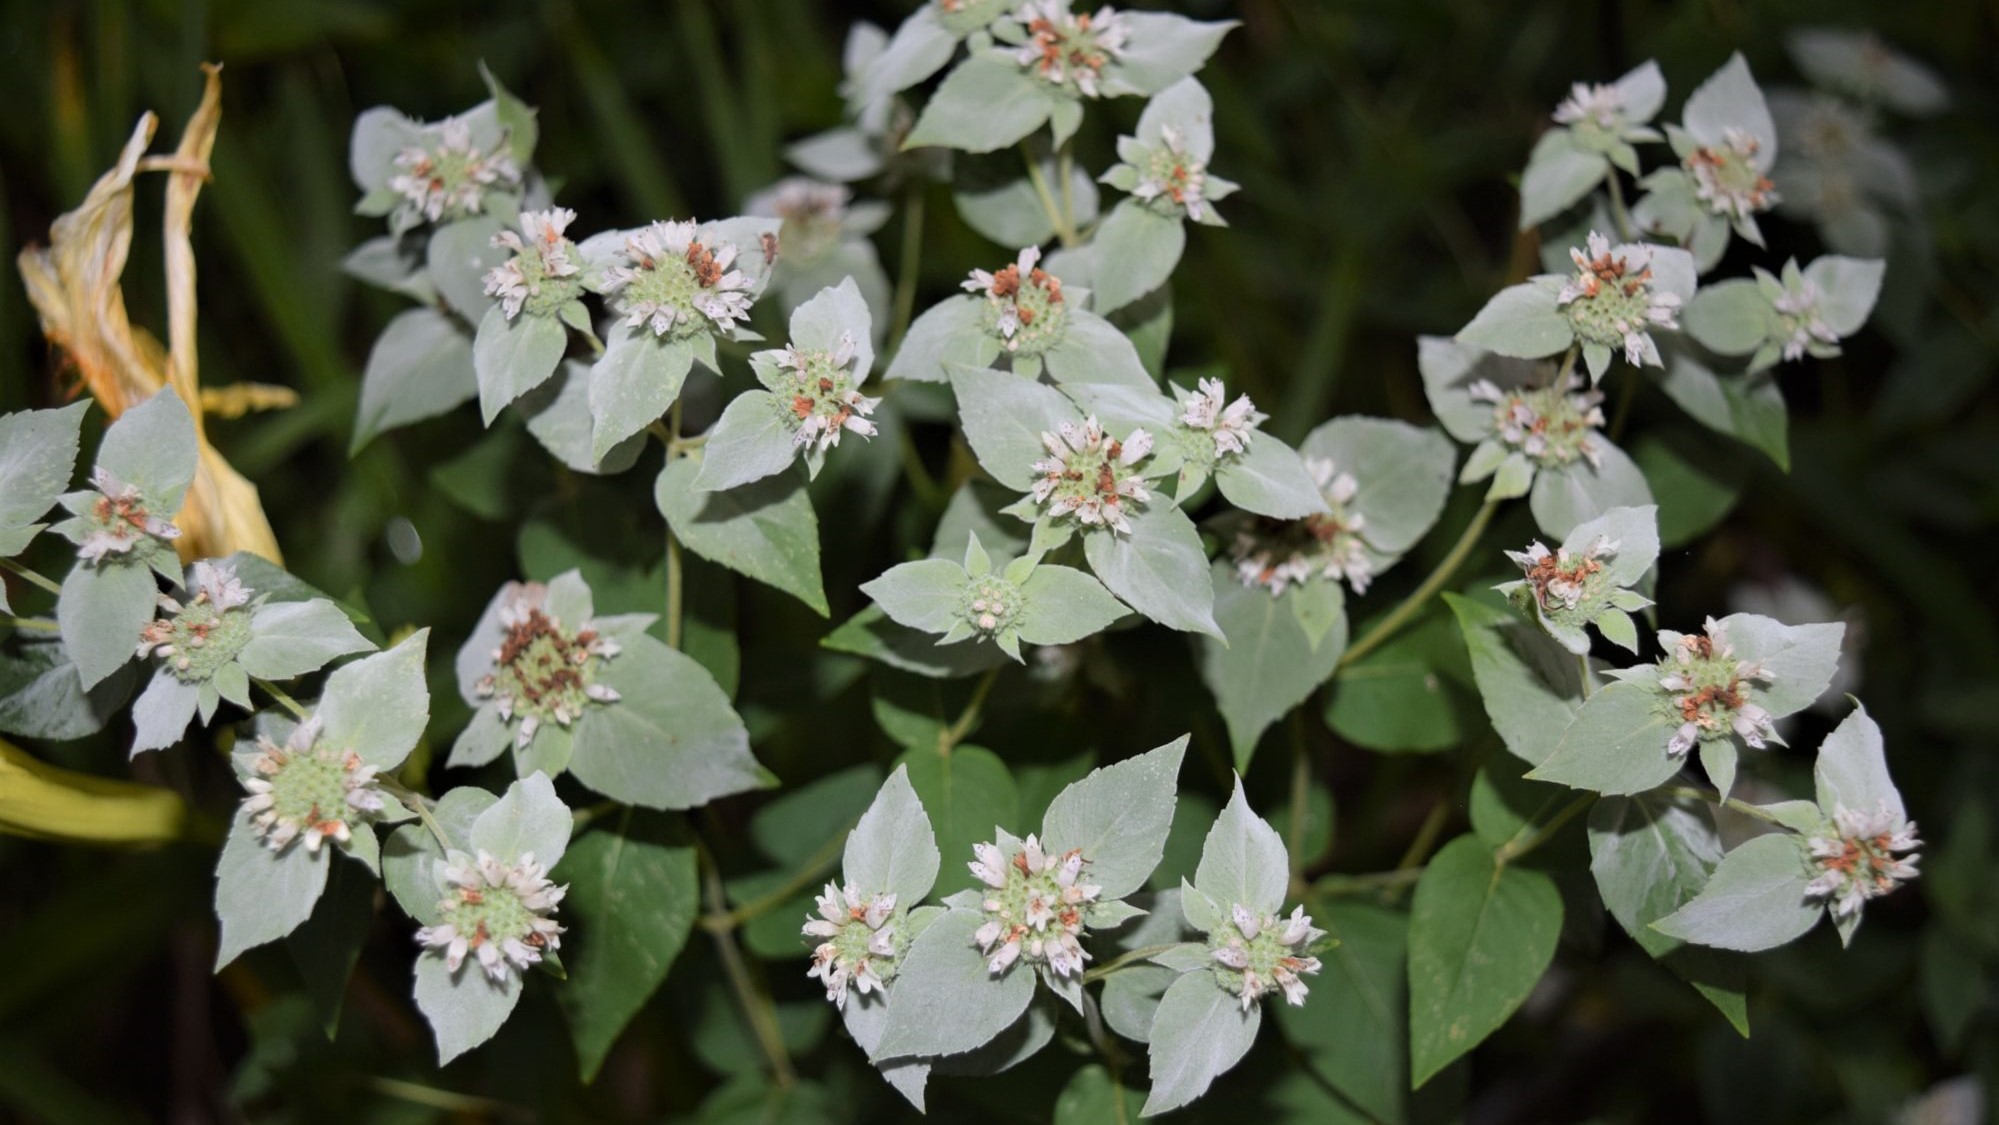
(1034, 904)
(862, 939)
(500, 913)
(1257, 953)
(1707, 691)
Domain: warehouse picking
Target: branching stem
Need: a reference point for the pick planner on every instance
(45, 583)
(1400, 615)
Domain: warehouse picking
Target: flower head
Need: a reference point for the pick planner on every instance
(306, 790)
(1071, 50)
(1862, 855)
(1257, 953)
(677, 285)
(1553, 425)
(1170, 179)
(449, 176)
(1091, 475)
(1276, 553)
(1727, 177)
(814, 214)
(821, 393)
(116, 521)
(1034, 903)
(542, 669)
(1802, 322)
(1024, 305)
(541, 275)
(1598, 104)
(1707, 690)
(198, 637)
(1611, 299)
(1561, 581)
(990, 605)
(501, 913)
(1231, 426)
(861, 939)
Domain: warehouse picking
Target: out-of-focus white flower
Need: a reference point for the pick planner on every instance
(1864, 855)
(451, 175)
(1277, 554)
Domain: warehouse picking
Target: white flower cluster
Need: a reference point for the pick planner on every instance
(670, 278)
(1552, 425)
(861, 942)
(199, 637)
(118, 519)
(302, 790)
(540, 669)
(452, 177)
(1601, 105)
(1706, 686)
(1070, 49)
(1560, 581)
(498, 912)
(1798, 306)
(1231, 426)
(1034, 907)
(1259, 953)
(1024, 303)
(825, 396)
(1277, 554)
(1726, 178)
(1170, 175)
(1611, 299)
(1864, 856)
(1091, 475)
(543, 257)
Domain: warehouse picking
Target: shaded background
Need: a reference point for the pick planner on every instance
(1375, 140)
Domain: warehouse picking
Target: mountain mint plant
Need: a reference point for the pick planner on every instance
(1057, 453)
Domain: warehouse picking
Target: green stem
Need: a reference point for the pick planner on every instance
(1127, 959)
(38, 624)
(969, 717)
(278, 693)
(1625, 397)
(31, 576)
(418, 804)
(1400, 615)
(1625, 232)
(820, 862)
(1063, 229)
(1065, 173)
(756, 1006)
(674, 578)
(1587, 676)
(909, 266)
(1568, 364)
(1335, 885)
(1529, 838)
(1426, 838)
(1731, 803)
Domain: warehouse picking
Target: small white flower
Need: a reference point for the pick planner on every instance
(453, 175)
(1170, 177)
(1726, 176)
(670, 278)
(303, 790)
(543, 670)
(1034, 908)
(118, 519)
(1800, 308)
(498, 912)
(1707, 689)
(1611, 299)
(1257, 953)
(539, 259)
(1277, 554)
(1863, 856)
(862, 940)
(1231, 426)
(1600, 104)
(1069, 49)
(822, 391)
(1091, 475)
(1554, 425)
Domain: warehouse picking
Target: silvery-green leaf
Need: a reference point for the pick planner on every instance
(1160, 569)
(376, 707)
(892, 849)
(950, 332)
(997, 200)
(528, 819)
(1131, 995)
(633, 383)
(671, 741)
(1199, 1032)
(927, 594)
(1567, 495)
(1449, 368)
(1852, 769)
(262, 895)
(1004, 416)
(1187, 107)
(766, 530)
(289, 639)
(866, 1018)
(1064, 605)
(152, 447)
(162, 712)
(1730, 99)
(1858, 63)
(1243, 860)
(987, 102)
(1749, 408)
(834, 313)
(1119, 816)
(100, 611)
(1138, 248)
(1731, 317)
(1092, 350)
(919, 48)
(41, 696)
(1635, 531)
(558, 415)
(871, 634)
(1558, 175)
(1480, 936)
(1847, 288)
(388, 263)
(379, 134)
(1403, 473)
(37, 458)
(1162, 49)
(1801, 659)
(1319, 603)
(1124, 407)
(465, 1008)
(752, 440)
(841, 155)
(1202, 913)
(946, 1002)
(513, 357)
(1520, 321)
(1615, 745)
(412, 858)
(1270, 663)
(1754, 901)
(460, 254)
(1269, 479)
(420, 367)
(485, 738)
